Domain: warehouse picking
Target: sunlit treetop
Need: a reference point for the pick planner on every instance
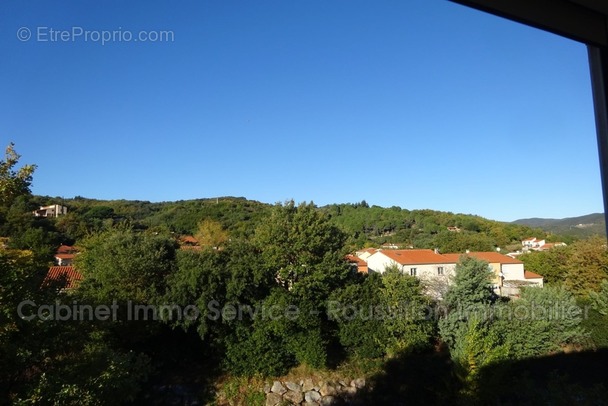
(14, 182)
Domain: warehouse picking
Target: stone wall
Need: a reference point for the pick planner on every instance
(311, 393)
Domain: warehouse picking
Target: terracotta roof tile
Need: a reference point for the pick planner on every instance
(67, 273)
(408, 257)
(356, 260)
(531, 275)
(188, 239)
(65, 249)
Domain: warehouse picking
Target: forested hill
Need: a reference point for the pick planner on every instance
(582, 226)
(365, 225)
(427, 228)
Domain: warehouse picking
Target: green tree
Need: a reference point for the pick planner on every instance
(200, 279)
(125, 265)
(95, 374)
(303, 248)
(551, 264)
(599, 300)
(471, 285)
(541, 322)
(211, 234)
(14, 182)
(466, 325)
(587, 266)
(406, 324)
(300, 254)
(356, 308)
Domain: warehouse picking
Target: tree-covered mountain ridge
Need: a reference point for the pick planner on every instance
(365, 225)
(581, 226)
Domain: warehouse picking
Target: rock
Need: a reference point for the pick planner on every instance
(312, 396)
(293, 397)
(308, 385)
(359, 383)
(310, 404)
(327, 390)
(267, 388)
(273, 399)
(327, 401)
(343, 383)
(350, 390)
(293, 386)
(277, 387)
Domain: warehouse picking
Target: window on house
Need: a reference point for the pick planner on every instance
(413, 271)
(439, 270)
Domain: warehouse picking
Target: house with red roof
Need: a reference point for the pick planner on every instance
(188, 240)
(415, 262)
(366, 253)
(509, 274)
(539, 245)
(550, 245)
(65, 275)
(358, 263)
(532, 242)
(65, 255)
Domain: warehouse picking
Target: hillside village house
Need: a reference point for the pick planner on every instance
(532, 243)
(54, 210)
(358, 263)
(421, 263)
(65, 255)
(432, 267)
(366, 253)
(539, 245)
(66, 275)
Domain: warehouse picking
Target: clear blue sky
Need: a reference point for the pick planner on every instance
(414, 103)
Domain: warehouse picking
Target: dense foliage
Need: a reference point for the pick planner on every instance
(580, 267)
(266, 289)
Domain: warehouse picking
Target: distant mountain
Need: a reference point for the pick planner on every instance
(582, 226)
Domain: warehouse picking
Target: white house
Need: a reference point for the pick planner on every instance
(532, 243)
(421, 263)
(65, 255)
(437, 269)
(540, 245)
(54, 210)
(366, 253)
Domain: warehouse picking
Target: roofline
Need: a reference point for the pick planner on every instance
(560, 17)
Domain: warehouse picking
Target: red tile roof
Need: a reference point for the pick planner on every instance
(407, 257)
(531, 275)
(67, 273)
(188, 239)
(453, 258)
(356, 260)
(66, 249)
(361, 264)
(491, 257)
